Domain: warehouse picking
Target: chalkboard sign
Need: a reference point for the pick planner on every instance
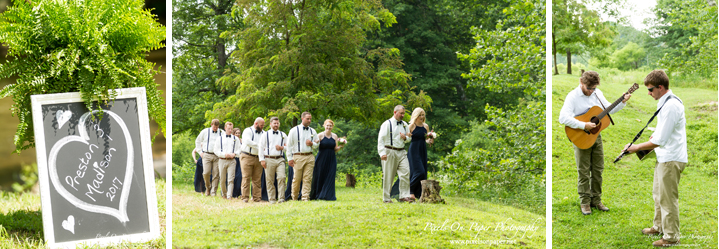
(95, 169)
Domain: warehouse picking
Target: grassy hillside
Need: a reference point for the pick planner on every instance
(358, 219)
(627, 185)
(21, 221)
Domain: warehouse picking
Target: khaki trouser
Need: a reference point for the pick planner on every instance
(590, 164)
(396, 163)
(251, 170)
(303, 173)
(275, 166)
(227, 172)
(666, 198)
(210, 163)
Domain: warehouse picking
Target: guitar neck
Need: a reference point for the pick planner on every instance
(606, 111)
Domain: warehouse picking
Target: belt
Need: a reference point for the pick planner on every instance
(208, 152)
(273, 157)
(303, 154)
(393, 148)
(248, 154)
(227, 158)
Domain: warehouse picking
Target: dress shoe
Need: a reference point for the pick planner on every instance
(388, 202)
(245, 200)
(650, 231)
(281, 201)
(207, 193)
(406, 199)
(663, 242)
(586, 210)
(601, 207)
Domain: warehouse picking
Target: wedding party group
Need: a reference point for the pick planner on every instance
(275, 166)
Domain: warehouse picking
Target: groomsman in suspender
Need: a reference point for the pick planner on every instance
(300, 143)
(225, 148)
(390, 145)
(250, 162)
(205, 143)
(272, 147)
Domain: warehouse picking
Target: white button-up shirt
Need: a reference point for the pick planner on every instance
(205, 142)
(268, 142)
(670, 134)
(296, 140)
(576, 103)
(225, 145)
(395, 141)
(251, 140)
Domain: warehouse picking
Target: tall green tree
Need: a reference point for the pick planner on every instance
(200, 58)
(297, 56)
(628, 57)
(576, 28)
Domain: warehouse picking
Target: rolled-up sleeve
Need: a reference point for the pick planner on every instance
(665, 125)
(381, 139)
(566, 115)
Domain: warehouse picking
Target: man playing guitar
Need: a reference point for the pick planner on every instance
(590, 161)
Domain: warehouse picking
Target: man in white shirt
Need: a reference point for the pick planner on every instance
(205, 143)
(390, 146)
(225, 148)
(669, 142)
(250, 161)
(300, 143)
(272, 147)
(590, 161)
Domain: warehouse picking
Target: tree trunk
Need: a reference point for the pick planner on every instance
(351, 181)
(554, 53)
(569, 62)
(430, 192)
(221, 55)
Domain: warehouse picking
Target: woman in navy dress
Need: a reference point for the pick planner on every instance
(417, 154)
(199, 181)
(237, 189)
(325, 171)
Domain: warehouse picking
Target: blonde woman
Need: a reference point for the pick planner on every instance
(417, 154)
(325, 171)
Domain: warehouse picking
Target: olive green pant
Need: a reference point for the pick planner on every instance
(666, 198)
(590, 164)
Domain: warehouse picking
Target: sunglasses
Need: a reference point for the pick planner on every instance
(590, 89)
(651, 89)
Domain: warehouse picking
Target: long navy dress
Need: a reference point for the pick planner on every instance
(417, 156)
(237, 188)
(325, 171)
(199, 181)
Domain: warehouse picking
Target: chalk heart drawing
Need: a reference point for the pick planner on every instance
(119, 212)
(69, 224)
(62, 117)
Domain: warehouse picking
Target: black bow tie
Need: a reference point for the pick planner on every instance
(399, 122)
(274, 132)
(228, 135)
(258, 131)
(305, 128)
(214, 132)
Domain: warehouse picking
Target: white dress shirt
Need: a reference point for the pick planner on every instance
(395, 141)
(670, 134)
(296, 140)
(576, 103)
(225, 145)
(205, 142)
(268, 142)
(251, 140)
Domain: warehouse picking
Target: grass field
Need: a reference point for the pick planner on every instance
(358, 219)
(21, 221)
(627, 185)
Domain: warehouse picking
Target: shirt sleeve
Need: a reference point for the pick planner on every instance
(198, 140)
(290, 144)
(218, 144)
(665, 125)
(284, 146)
(407, 136)
(566, 115)
(238, 146)
(381, 139)
(263, 145)
(315, 145)
(247, 137)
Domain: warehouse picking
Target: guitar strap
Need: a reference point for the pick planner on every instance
(650, 121)
(600, 102)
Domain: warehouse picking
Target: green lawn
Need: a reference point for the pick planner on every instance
(21, 221)
(627, 185)
(358, 219)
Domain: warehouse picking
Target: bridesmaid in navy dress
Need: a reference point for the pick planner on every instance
(237, 189)
(199, 181)
(417, 154)
(325, 171)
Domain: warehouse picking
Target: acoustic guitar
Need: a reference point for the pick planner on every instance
(586, 138)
